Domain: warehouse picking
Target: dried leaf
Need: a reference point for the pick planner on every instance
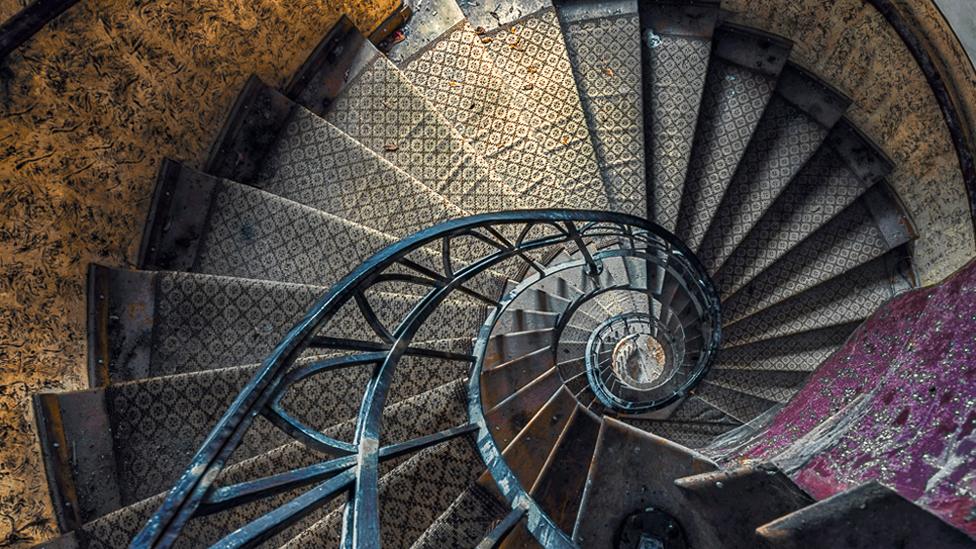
(390, 147)
(527, 87)
(486, 40)
(565, 140)
(453, 84)
(479, 31)
(532, 69)
(609, 71)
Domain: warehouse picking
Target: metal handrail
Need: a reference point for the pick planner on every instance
(355, 469)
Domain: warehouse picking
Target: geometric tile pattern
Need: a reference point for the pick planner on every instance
(798, 352)
(848, 240)
(823, 188)
(438, 408)
(849, 298)
(732, 104)
(316, 164)
(674, 80)
(738, 405)
(777, 386)
(466, 522)
(254, 234)
(411, 496)
(605, 55)
(204, 322)
(530, 54)
(384, 112)
(159, 424)
(457, 75)
(781, 145)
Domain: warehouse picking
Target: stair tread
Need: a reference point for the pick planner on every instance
(795, 123)
(633, 470)
(742, 407)
(159, 423)
(165, 323)
(851, 238)
(823, 188)
(839, 300)
(466, 522)
(510, 130)
(316, 164)
(674, 60)
(436, 408)
(802, 351)
(384, 112)
(559, 488)
(526, 46)
(741, 78)
(604, 52)
(411, 497)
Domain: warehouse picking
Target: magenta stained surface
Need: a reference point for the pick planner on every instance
(896, 404)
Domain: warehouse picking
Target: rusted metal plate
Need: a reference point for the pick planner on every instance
(121, 306)
(258, 115)
(735, 502)
(866, 517)
(336, 60)
(177, 218)
(511, 416)
(500, 382)
(528, 453)
(633, 470)
(79, 455)
(560, 487)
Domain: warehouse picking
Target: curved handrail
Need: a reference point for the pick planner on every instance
(504, 236)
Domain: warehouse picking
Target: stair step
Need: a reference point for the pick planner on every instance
(510, 417)
(466, 522)
(314, 163)
(736, 501)
(795, 123)
(381, 109)
(688, 434)
(158, 424)
(499, 382)
(870, 515)
(677, 40)
(846, 165)
(559, 488)
(830, 391)
(436, 409)
(522, 140)
(742, 75)
(840, 300)
(736, 404)
(777, 386)
(634, 470)
(506, 347)
(527, 453)
(603, 47)
(865, 230)
(157, 323)
(801, 352)
(525, 45)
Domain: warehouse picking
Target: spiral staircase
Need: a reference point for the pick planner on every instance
(521, 275)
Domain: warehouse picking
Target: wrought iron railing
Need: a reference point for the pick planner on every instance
(471, 259)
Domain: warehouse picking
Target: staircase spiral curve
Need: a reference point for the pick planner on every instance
(522, 275)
